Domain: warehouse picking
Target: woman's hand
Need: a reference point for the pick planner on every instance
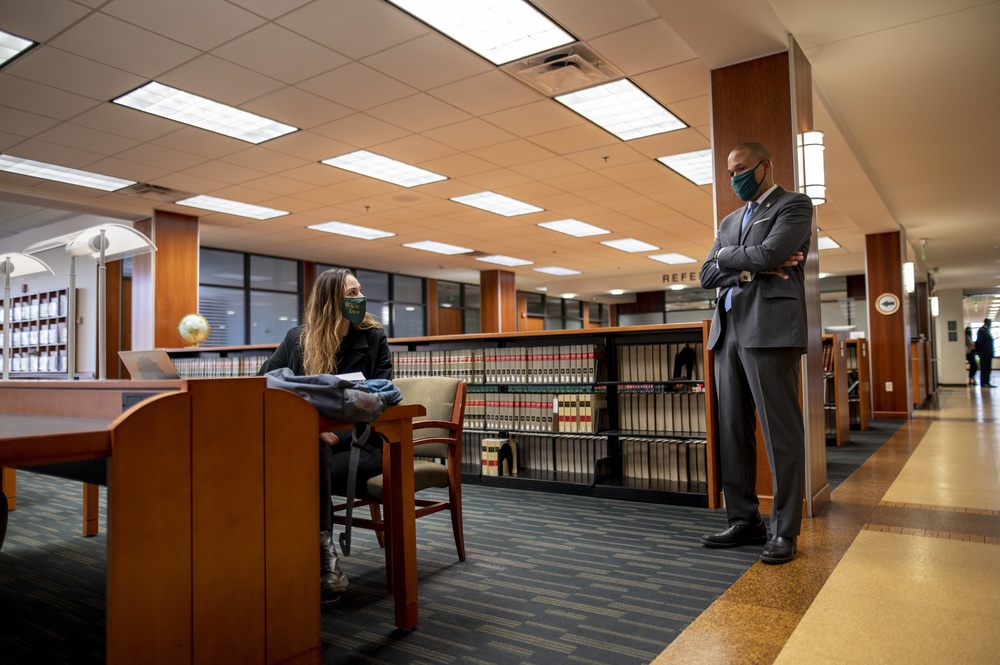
(330, 438)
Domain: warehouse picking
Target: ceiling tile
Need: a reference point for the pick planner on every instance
(414, 150)
(419, 113)
(296, 107)
(356, 29)
(263, 160)
(429, 61)
(72, 73)
(224, 172)
(220, 80)
(357, 87)
(308, 145)
(124, 121)
(535, 118)
(644, 47)
(280, 54)
(571, 139)
(91, 140)
(486, 93)
(589, 18)
(42, 99)
(677, 83)
(156, 155)
(51, 153)
(123, 168)
(512, 153)
(39, 20)
(269, 9)
(360, 130)
(203, 24)
(112, 42)
(458, 165)
(201, 142)
(470, 134)
(23, 123)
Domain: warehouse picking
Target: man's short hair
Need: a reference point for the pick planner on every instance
(757, 150)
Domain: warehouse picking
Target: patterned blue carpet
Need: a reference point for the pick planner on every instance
(549, 579)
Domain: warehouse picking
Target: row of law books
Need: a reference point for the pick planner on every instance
(565, 453)
(661, 362)
(534, 412)
(499, 457)
(565, 363)
(659, 409)
(220, 366)
(682, 460)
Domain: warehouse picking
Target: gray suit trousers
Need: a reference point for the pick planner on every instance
(768, 379)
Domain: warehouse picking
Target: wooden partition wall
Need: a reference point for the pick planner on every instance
(498, 301)
(780, 87)
(888, 327)
(164, 283)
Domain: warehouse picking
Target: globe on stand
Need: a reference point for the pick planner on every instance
(194, 329)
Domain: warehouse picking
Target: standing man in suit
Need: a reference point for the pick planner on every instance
(985, 349)
(758, 334)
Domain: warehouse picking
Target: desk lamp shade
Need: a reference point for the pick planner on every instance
(11, 266)
(102, 243)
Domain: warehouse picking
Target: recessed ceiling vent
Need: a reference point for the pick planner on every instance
(153, 192)
(563, 70)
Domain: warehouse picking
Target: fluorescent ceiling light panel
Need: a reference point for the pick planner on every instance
(695, 166)
(623, 109)
(231, 207)
(556, 270)
(499, 30)
(362, 232)
(574, 227)
(497, 203)
(12, 46)
(437, 247)
(502, 260)
(672, 258)
(30, 167)
(181, 106)
(630, 245)
(383, 168)
(826, 242)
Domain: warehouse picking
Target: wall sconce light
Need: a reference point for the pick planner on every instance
(102, 243)
(935, 306)
(813, 173)
(14, 265)
(909, 281)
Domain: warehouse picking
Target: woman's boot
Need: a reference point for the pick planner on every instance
(332, 580)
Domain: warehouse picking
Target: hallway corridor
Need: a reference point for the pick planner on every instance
(904, 567)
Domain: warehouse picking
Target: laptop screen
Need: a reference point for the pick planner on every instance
(153, 365)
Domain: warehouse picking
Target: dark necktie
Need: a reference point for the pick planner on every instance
(746, 218)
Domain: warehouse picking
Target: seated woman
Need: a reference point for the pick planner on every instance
(338, 337)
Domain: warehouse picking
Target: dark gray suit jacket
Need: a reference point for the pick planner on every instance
(768, 311)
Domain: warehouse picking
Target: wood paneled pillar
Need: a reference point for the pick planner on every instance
(888, 325)
(769, 100)
(164, 283)
(498, 301)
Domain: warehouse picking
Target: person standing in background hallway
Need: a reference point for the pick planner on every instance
(758, 334)
(970, 355)
(984, 347)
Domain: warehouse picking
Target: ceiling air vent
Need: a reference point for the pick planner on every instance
(153, 192)
(563, 70)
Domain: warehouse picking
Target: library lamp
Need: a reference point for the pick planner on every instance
(102, 243)
(14, 265)
(812, 175)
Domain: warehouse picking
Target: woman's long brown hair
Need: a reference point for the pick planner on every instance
(322, 338)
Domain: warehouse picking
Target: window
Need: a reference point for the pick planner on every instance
(247, 298)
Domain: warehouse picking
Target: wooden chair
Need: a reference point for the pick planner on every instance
(436, 436)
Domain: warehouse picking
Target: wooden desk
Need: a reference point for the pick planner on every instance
(396, 423)
(212, 512)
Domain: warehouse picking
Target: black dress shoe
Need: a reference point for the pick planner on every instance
(738, 534)
(778, 550)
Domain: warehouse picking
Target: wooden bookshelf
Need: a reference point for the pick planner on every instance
(38, 324)
(836, 405)
(859, 394)
(198, 362)
(609, 412)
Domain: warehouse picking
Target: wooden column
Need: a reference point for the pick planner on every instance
(889, 330)
(769, 100)
(498, 301)
(164, 283)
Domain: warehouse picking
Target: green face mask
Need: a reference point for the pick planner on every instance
(354, 309)
(745, 184)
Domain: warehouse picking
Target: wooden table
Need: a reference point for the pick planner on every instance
(396, 424)
(41, 423)
(212, 512)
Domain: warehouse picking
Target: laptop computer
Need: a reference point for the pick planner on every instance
(153, 365)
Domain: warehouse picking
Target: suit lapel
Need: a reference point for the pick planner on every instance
(762, 211)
